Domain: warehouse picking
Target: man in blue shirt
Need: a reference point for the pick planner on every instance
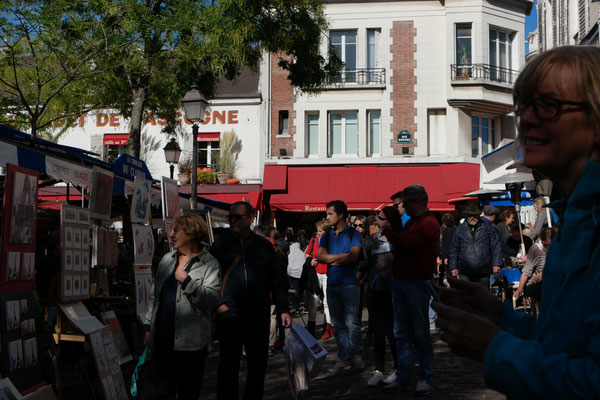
(340, 249)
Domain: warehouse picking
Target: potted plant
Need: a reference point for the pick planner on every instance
(185, 168)
(227, 160)
(205, 175)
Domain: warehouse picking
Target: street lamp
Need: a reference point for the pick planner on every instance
(172, 153)
(195, 105)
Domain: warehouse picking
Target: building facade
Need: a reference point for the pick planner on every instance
(426, 91)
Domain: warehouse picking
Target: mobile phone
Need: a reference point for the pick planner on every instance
(433, 291)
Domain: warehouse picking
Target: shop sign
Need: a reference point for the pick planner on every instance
(308, 208)
(129, 167)
(68, 172)
(404, 136)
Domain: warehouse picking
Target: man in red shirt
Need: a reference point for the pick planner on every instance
(416, 250)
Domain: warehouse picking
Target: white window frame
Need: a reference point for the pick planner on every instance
(494, 44)
(344, 34)
(370, 151)
(491, 132)
(344, 152)
(308, 125)
(209, 150)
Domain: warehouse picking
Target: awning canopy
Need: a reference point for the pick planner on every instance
(228, 193)
(209, 137)
(365, 187)
(120, 139)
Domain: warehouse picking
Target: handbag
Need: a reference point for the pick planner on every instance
(145, 382)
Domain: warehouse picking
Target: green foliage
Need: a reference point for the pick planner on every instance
(48, 67)
(227, 160)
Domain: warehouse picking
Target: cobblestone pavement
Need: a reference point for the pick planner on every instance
(454, 377)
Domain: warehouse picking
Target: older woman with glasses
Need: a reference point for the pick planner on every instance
(557, 102)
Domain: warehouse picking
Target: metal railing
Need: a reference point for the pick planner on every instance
(482, 73)
(360, 76)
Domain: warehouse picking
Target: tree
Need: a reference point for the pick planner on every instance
(172, 45)
(47, 63)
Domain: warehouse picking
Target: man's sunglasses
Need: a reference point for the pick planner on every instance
(237, 217)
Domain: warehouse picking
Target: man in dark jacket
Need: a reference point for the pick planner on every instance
(475, 251)
(250, 272)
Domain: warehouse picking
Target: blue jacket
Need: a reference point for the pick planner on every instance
(558, 357)
(476, 256)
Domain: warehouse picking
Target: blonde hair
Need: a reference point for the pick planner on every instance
(193, 225)
(323, 224)
(539, 201)
(584, 62)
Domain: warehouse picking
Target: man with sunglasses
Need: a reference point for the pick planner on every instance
(399, 204)
(251, 275)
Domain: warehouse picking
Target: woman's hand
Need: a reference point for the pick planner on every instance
(467, 335)
(180, 274)
(314, 262)
(147, 338)
(472, 298)
(518, 293)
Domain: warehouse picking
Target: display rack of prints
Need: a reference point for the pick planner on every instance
(107, 364)
(101, 193)
(110, 319)
(140, 202)
(19, 355)
(170, 198)
(19, 229)
(143, 289)
(75, 253)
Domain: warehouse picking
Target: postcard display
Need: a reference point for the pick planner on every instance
(143, 241)
(18, 350)
(75, 253)
(106, 357)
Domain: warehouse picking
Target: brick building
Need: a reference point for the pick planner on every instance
(426, 91)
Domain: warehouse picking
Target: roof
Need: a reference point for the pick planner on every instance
(245, 85)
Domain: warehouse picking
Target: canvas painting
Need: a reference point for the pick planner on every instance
(76, 261)
(140, 204)
(68, 237)
(23, 210)
(101, 195)
(13, 265)
(68, 260)
(143, 244)
(170, 197)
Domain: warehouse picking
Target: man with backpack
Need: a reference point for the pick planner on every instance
(340, 248)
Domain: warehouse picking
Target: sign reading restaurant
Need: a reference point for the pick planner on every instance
(114, 119)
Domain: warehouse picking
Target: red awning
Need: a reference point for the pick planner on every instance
(367, 187)
(251, 197)
(116, 139)
(209, 137)
(229, 193)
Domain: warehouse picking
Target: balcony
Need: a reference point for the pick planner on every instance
(482, 74)
(363, 78)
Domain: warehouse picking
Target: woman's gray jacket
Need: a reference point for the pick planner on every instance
(196, 299)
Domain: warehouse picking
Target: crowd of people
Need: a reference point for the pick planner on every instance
(390, 260)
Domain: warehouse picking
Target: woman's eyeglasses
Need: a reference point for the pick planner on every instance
(547, 109)
(359, 226)
(379, 217)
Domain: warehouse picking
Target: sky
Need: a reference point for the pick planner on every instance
(530, 23)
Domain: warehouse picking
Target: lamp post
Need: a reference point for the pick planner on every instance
(195, 105)
(172, 153)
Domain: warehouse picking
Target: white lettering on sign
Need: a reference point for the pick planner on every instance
(314, 208)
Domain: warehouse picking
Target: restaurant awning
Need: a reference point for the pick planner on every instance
(228, 193)
(365, 187)
(116, 139)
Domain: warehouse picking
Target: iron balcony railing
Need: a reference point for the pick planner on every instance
(482, 73)
(360, 76)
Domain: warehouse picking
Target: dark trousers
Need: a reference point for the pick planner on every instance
(181, 373)
(381, 315)
(295, 284)
(251, 332)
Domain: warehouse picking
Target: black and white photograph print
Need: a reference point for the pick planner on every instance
(68, 285)
(68, 237)
(22, 221)
(76, 238)
(85, 238)
(13, 355)
(10, 315)
(13, 265)
(85, 287)
(76, 260)
(77, 286)
(23, 306)
(68, 260)
(28, 266)
(85, 260)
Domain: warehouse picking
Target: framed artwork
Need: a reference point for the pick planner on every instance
(70, 215)
(76, 238)
(15, 354)
(23, 208)
(68, 285)
(170, 197)
(101, 193)
(83, 216)
(143, 241)
(13, 266)
(68, 260)
(68, 236)
(140, 204)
